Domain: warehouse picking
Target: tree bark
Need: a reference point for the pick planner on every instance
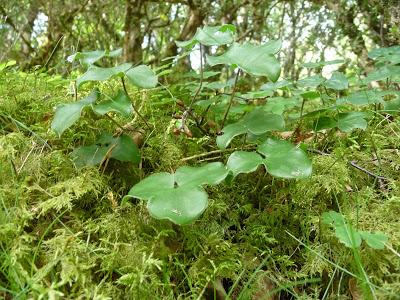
(132, 50)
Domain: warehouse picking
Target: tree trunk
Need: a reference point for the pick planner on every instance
(133, 40)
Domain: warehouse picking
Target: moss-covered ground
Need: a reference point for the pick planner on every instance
(65, 235)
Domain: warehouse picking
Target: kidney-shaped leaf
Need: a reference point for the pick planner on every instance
(258, 60)
(120, 103)
(256, 122)
(212, 173)
(180, 205)
(100, 74)
(243, 162)
(283, 159)
(142, 76)
(210, 36)
(67, 114)
(179, 197)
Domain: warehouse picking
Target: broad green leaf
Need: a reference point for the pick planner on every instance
(285, 160)
(153, 185)
(120, 103)
(210, 36)
(382, 73)
(142, 76)
(392, 106)
(7, 64)
(100, 74)
(88, 155)
(324, 123)
(337, 82)
(212, 174)
(258, 60)
(375, 240)
(181, 205)
(90, 57)
(87, 58)
(311, 81)
(121, 148)
(343, 231)
(320, 64)
(67, 114)
(243, 162)
(352, 120)
(277, 85)
(348, 236)
(179, 197)
(333, 218)
(277, 105)
(361, 98)
(256, 122)
(383, 52)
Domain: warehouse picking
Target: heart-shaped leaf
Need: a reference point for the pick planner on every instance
(210, 36)
(179, 197)
(121, 148)
(256, 122)
(362, 98)
(320, 64)
(120, 103)
(100, 74)
(277, 105)
(258, 60)
(142, 76)
(337, 82)
(285, 160)
(90, 57)
(311, 81)
(67, 114)
(352, 120)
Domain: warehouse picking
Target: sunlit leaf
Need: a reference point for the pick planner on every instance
(142, 76)
(100, 74)
(179, 197)
(211, 174)
(210, 36)
(285, 160)
(243, 162)
(258, 60)
(67, 114)
(375, 240)
(87, 58)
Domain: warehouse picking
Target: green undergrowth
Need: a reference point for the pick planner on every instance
(64, 233)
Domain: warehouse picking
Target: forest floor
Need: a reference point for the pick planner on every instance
(64, 233)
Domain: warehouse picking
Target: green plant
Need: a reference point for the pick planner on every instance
(119, 146)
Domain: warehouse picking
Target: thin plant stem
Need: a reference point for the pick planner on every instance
(231, 99)
(133, 105)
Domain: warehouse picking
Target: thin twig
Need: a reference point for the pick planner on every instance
(231, 99)
(215, 152)
(354, 164)
(134, 108)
